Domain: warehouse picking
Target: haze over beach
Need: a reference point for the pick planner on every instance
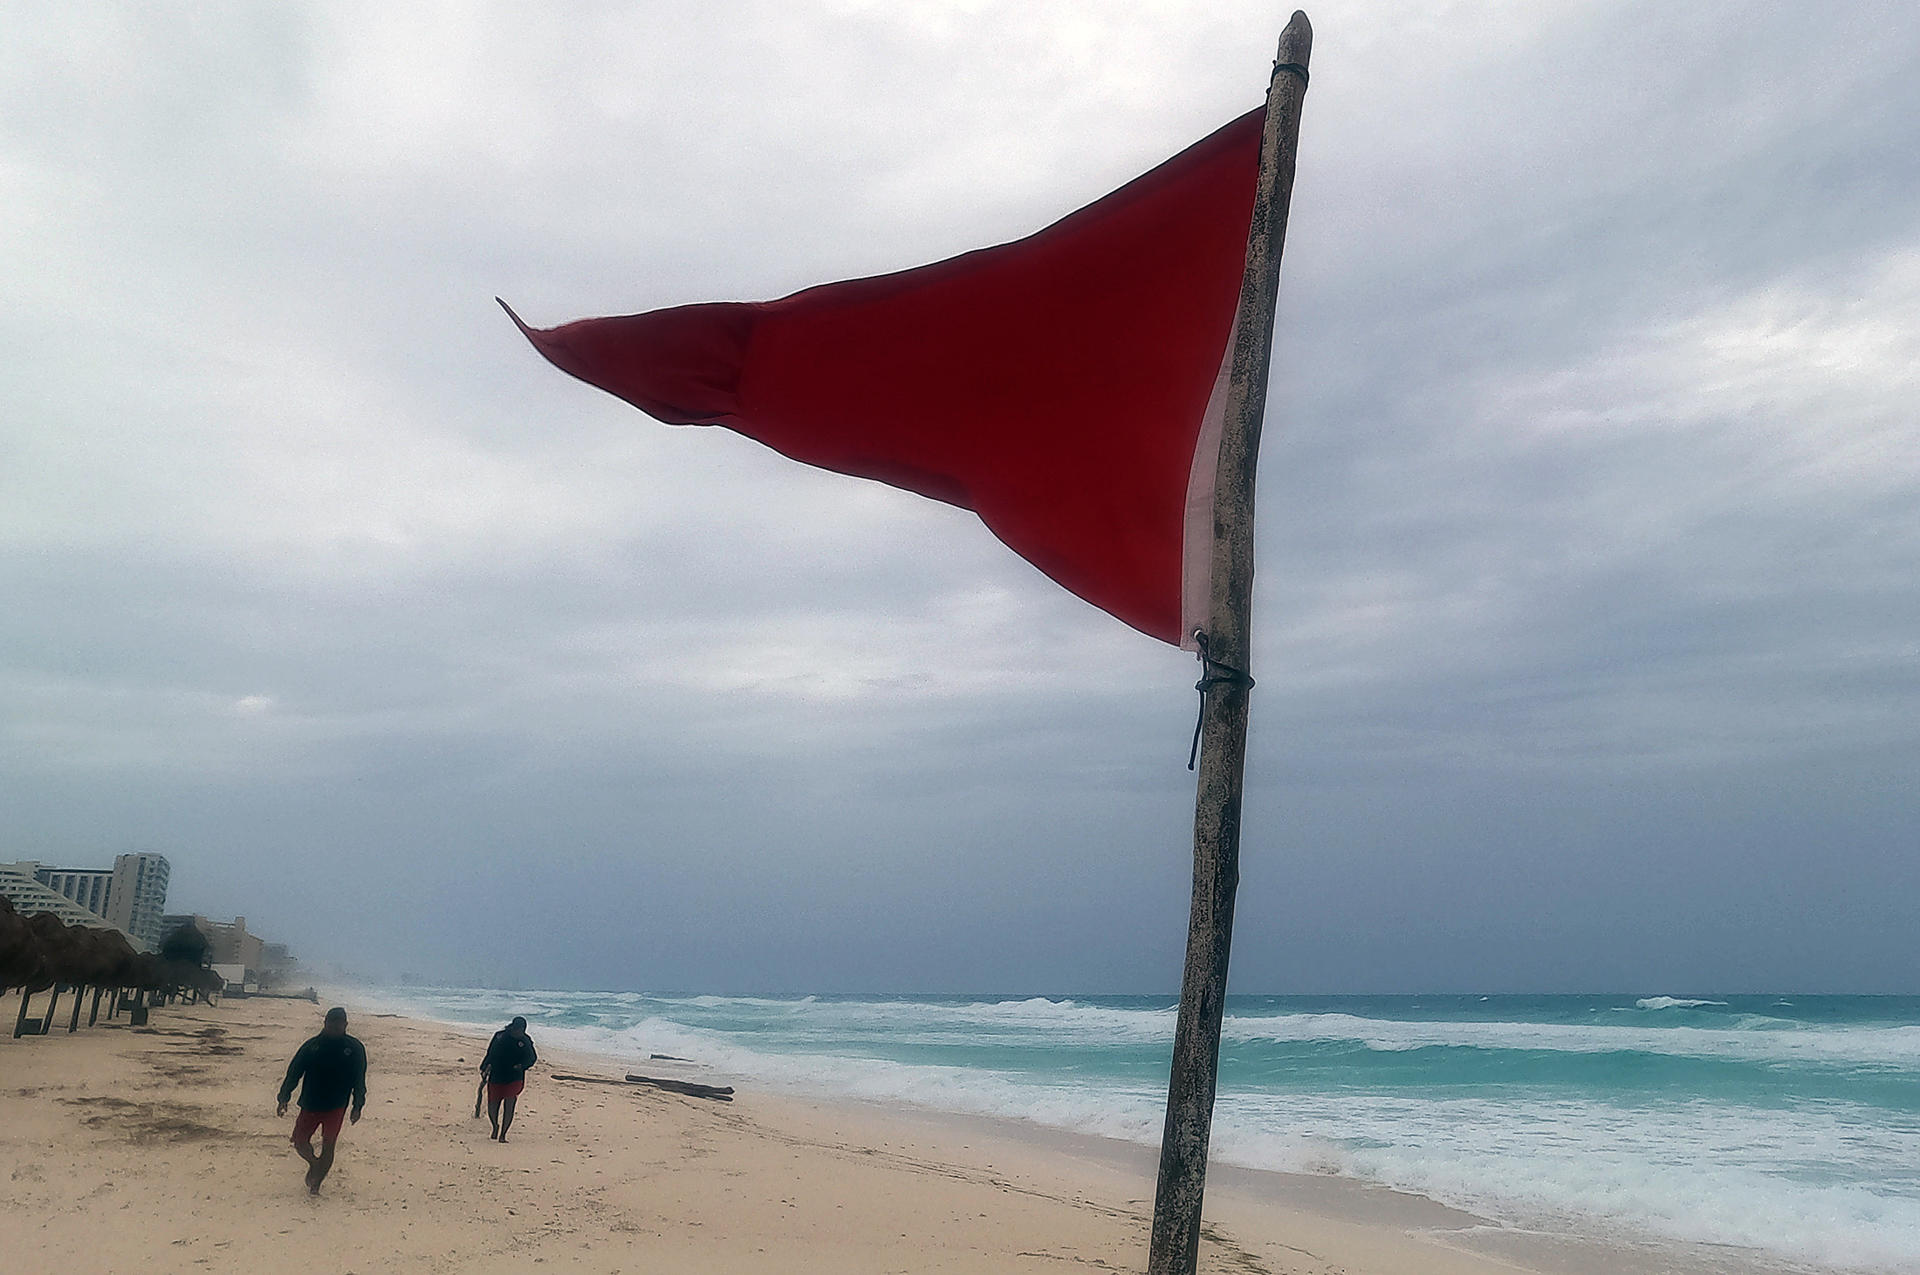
(1579, 856)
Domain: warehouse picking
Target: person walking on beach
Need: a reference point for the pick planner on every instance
(504, 1070)
(330, 1068)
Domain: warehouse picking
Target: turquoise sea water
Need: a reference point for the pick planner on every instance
(1785, 1124)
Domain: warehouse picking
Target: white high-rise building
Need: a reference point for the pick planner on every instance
(138, 896)
(131, 896)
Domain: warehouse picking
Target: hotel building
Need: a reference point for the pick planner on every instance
(131, 896)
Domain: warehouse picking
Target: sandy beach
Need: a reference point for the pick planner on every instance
(157, 1149)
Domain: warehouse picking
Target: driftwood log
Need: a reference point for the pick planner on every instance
(719, 1093)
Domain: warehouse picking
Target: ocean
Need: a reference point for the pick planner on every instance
(1789, 1125)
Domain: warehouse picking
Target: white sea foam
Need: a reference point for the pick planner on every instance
(1753, 1038)
(1692, 1171)
(1686, 1171)
(1671, 1002)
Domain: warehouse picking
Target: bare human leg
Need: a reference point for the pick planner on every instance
(322, 1164)
(305, 1147)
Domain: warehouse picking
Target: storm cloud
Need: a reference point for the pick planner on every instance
(1588, 619)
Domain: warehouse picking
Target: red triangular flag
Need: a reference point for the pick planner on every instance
(1066, 387)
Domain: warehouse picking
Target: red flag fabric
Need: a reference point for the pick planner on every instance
(1066, 387)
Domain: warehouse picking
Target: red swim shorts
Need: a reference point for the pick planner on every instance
(500, 1093)
(327, 1122)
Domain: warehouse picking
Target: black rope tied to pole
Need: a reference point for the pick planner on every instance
(1294, 69)
(1212, 673)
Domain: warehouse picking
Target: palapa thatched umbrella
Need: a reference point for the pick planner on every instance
(137, 975)
(49, 945)
(117, 958)
(99, 960)
(69, 950)
(42, 953)
(22, 960)
(180, 977)
(85, 964)
(19, 953)
(183, 959)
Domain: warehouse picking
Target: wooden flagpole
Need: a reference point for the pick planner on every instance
(1175, 1248)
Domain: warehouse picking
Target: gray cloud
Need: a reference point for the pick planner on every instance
(1587, 610)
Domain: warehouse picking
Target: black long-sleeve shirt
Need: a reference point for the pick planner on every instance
(334, 1068)
(508, 1057)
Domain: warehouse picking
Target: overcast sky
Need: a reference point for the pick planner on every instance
(1588, 617)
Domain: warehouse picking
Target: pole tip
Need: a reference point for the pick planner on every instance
(1296, 42)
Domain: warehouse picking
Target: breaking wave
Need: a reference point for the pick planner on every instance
(1790, 1129)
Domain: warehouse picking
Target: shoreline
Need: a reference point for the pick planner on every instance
(168, 1134)
(1330, 1197)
